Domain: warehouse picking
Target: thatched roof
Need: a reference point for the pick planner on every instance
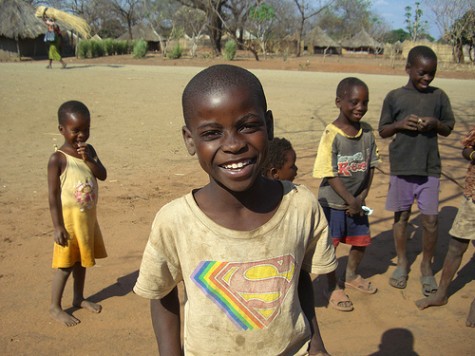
(18, 20)
(318, 38)
(142, 32)
(361, 40)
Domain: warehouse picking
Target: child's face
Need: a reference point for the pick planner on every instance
(75, 129)
(229, 131)
(289, 169)
(421, 73)
(354, 103)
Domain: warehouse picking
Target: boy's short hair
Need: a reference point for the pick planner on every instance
(216, 79)
(420, 52)
(71, 107)
(346, 84)
(276, 154)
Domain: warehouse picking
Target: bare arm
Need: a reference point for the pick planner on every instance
(409, 123)
(61, 236)
(166, 323)
(467, 152)
(89, 155)
(354, 203)
(431, 123)
(365, 191)
(305, 290)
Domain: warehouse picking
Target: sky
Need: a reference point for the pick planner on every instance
(393, 11)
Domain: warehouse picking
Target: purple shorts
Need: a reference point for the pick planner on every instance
(404, 189)
(350, 230)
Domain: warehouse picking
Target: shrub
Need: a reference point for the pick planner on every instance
(230, 50)
(109, 46)
(140, 49)
(84, 49)
(97, 49)
(176, 52)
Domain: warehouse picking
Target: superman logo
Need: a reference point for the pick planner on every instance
(250, 293)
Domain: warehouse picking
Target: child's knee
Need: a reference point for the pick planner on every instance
(429, 223)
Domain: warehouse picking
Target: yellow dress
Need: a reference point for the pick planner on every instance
(79, 194)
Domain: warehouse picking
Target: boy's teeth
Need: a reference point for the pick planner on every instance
(235, 165)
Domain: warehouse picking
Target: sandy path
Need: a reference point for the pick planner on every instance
(136, 121)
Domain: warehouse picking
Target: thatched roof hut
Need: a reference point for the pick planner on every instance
(319, 42)
(22, 33)
(362, 42)
(20, 29)
(147, 33)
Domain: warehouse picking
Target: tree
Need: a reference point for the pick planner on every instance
(396, 35)
(452, 22)
(261, 18)
(193, 22)
(415, 26)
(214, 13)
(127, 10)
(306, 11)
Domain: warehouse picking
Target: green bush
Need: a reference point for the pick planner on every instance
(109, 46)
(176, 52)
(140, 49)
(97, 49)
(84, 49)
(230, 50)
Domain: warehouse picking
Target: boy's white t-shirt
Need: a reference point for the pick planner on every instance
(241, 286)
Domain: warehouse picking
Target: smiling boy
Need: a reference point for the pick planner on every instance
(415, 115)
(243, 245)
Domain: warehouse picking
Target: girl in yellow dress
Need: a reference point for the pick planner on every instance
(73, 171)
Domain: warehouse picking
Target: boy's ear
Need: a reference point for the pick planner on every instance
(270, 124)
(408, 68)
(189, 143)
(274, 172)
(61, 129)
(338, 102)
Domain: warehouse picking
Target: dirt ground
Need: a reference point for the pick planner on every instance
(136, 121)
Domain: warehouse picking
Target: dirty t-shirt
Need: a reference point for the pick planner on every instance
(347, 157)
(415, 152)
(241, 286)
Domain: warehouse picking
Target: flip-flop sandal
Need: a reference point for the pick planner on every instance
(340, 301)
(429, 285)
(398, 279)
(362, 285)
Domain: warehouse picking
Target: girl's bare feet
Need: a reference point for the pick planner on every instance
(86, 304)
(60, 315)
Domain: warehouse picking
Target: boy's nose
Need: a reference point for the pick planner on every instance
(233, 142)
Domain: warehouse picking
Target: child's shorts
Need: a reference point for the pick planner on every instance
(404, 189)
(350, 230)
(464, 223)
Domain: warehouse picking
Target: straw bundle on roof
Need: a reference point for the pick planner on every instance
(78, 24)
(17, 20)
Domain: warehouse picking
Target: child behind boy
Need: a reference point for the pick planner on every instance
(462, 232)
(280, 161)
(73, 192)
(347, 155)
(243, 245)
(415, 114)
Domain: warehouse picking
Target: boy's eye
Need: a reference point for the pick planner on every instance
(210, 134)
(251, 127)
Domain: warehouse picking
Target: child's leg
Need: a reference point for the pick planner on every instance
(457, 248)
(79, 275)
(59, 282)
(401, 219)
(429, 241)
(352, 278)
(354, 259)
